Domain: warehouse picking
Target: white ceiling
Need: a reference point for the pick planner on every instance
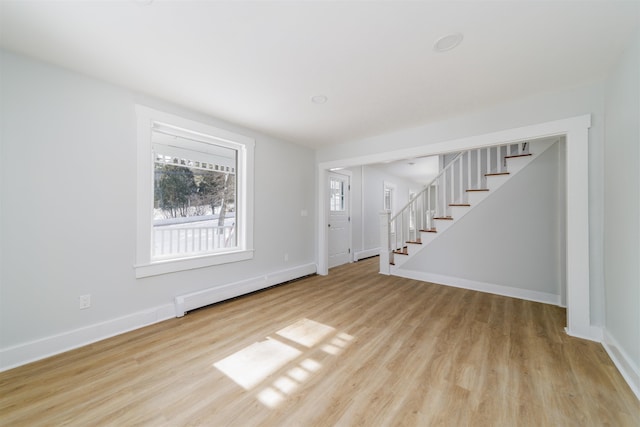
(420, 170)
(258, 64)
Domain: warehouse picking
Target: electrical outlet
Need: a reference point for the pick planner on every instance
(85, 301)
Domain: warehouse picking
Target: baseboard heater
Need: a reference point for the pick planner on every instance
(204, 297)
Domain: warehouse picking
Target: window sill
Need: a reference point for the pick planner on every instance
(172, 266)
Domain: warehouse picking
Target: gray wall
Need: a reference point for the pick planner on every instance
(68, 194)
(367, 191)
(513, 238)
(622, 208)
(541, 108)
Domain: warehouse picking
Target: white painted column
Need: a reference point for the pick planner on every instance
(385, 253)
(578, 289)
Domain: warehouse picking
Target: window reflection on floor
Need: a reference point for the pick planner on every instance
(252, 366)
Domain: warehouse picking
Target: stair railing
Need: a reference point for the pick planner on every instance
(467, 171)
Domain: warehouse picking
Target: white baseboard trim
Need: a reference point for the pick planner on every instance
(22, 354)
(204, 297)
(491, 288)
(357, 256)
(629, 370)
(590, 332)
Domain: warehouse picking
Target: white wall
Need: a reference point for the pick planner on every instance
(513, 239)
(541, 108)
(367, 192)
(357, 225)
(68, 191)
(622, 214)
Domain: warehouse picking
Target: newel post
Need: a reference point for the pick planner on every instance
(385, 253)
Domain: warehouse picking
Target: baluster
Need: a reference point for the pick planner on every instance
(403, 229)
(425, 202)
(425, 212)
(503, 163)
(460, 178)
(154, 250)
(453, 188)
(488, 167)
(420, 212)
(479, 166)
(468, 180)
(432, 194)
(441, 191)
(419, 217)
(432, 204)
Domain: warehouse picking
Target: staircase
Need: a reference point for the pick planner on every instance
(466, 181)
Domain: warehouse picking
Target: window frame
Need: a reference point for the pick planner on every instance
(145, 266)
(342, 190)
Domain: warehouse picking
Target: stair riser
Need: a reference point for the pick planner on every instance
(476, 197)
(458, 212)
(494, 182)
(442, 224)
(427, 237)
(515, 164)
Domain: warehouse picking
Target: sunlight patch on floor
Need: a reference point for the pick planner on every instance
(306, 332)
(255, 364)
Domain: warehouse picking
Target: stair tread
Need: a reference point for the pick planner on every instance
(477, 189)
(430, 230)
(414, 242)
(404, 251)
(496, 174)
(449, 218)
(459, 204)
(517, 155)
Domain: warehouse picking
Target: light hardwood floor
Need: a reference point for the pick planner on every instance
(352, 348)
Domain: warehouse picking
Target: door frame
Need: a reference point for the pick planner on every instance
(576, 132)
(349, 176)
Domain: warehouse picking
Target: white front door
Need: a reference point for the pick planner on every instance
(339, 220)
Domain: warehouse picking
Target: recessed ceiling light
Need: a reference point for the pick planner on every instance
(447, 42)
(319, 99)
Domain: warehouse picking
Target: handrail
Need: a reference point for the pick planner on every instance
(426, 187)
(466, 171)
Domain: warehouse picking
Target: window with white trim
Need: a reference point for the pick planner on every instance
(195, 204)
(388, 197)
(337, 199)
(389, 200)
